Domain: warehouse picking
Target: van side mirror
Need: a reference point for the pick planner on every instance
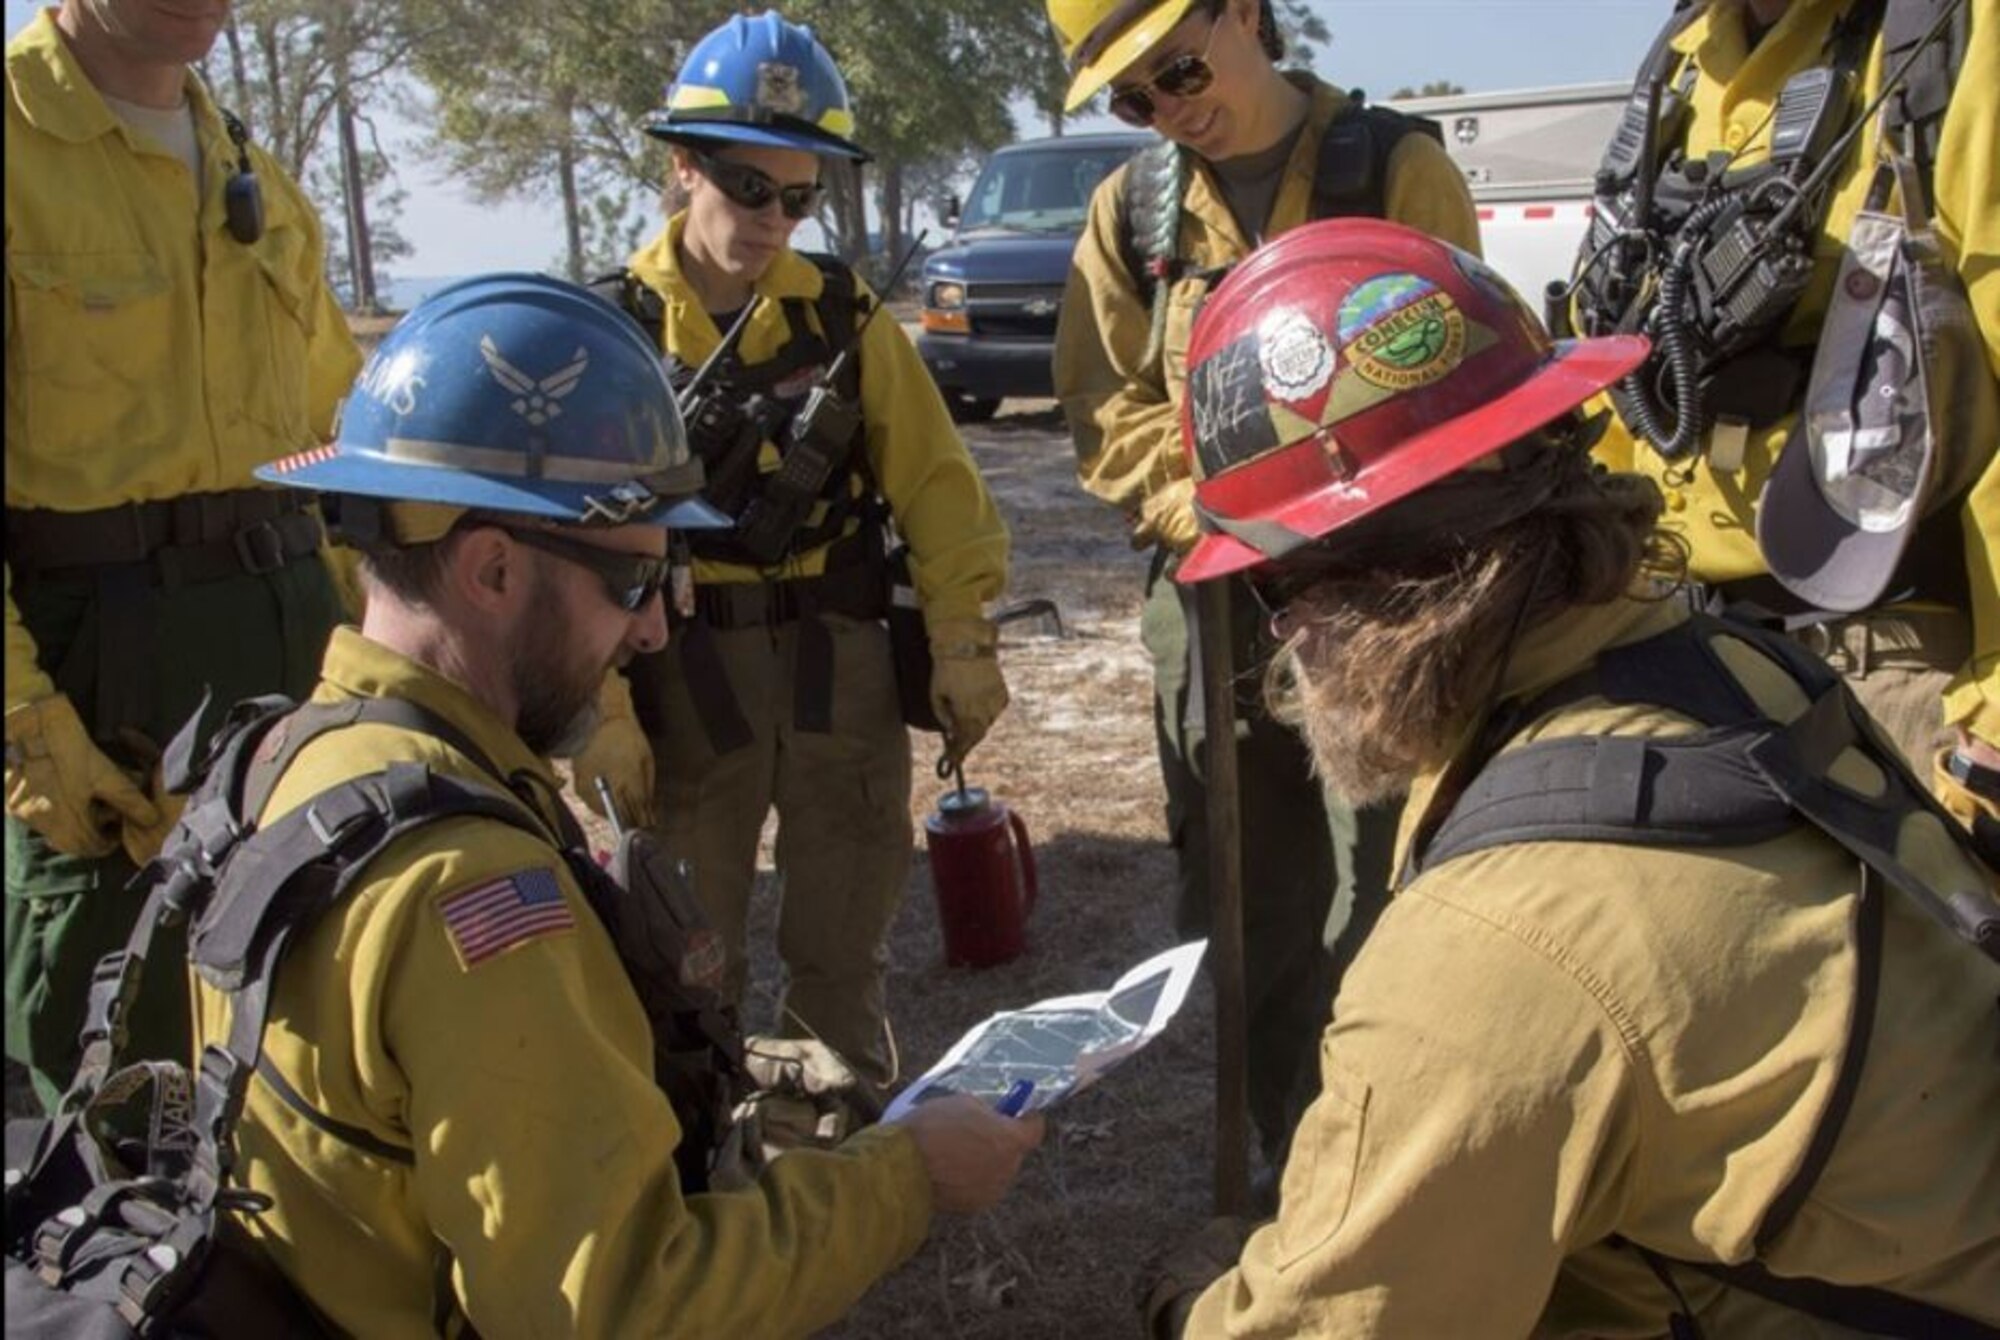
(948, 211)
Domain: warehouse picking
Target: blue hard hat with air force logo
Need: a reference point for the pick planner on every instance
(514, 393)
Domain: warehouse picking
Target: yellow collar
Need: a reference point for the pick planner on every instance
(657, 265)
(360, 668)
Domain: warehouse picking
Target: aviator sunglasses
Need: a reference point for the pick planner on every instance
(752, 190)
(630, 580)
(1185, 76)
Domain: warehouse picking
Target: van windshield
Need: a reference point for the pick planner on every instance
(1039, 192)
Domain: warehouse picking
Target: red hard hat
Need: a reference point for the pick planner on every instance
(1351, 363)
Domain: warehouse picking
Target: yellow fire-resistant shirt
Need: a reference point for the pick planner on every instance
(1546, 1044)
(149, 353)
(1730, 112)
(1124, 407)
(958, 544)
(522, 1136)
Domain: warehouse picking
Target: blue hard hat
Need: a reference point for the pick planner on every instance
(759, 80)
(514, 393)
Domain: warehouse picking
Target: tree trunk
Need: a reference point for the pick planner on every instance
(353, 182)
(850, 214)
(892, 210)
(239, 73)
(279, 132)
(1056, 122)
(360, 255)
(566, 177)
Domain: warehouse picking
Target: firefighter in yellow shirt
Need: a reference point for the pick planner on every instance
(1249, 154)
(1755, 96)
(781, 691)
(1681, 1020)
(469, 1111)
(168, 329)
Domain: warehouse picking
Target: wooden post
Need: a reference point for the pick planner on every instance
(1225, 893)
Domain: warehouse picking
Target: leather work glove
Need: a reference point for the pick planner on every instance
(805, 1096)
(1168, 515)
(967, 691)
(620, 754)
(143, 841)
(1175, 1278)
(61, 785)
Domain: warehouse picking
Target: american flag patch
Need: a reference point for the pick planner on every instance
(492, 918)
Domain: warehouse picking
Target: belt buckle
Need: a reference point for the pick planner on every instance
(259, 548)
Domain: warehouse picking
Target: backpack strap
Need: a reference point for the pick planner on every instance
(1352, 176)
(840, 308)
(1745, 778)
(1350, 179)
(623, 290)
(1916, 110)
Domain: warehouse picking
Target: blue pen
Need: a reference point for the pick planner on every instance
(1015, 1101)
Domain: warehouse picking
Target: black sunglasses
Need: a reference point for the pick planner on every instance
(1185, 76)
(751, 189)
(630, 580)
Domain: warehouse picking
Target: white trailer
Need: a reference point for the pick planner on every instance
(1530, 156)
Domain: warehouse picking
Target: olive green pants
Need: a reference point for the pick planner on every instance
(1315, 873)
(135, 659)
(843, 800)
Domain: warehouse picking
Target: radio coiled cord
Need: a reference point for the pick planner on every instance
(1675, 359)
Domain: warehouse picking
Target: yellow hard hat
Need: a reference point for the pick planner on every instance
(1100, 38)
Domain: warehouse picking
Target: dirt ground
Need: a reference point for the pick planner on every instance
(1126, 1167)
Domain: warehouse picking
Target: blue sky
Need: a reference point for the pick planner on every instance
(1377, 45)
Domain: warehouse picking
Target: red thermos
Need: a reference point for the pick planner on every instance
(983, 871)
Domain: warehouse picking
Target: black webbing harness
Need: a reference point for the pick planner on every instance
(1688, 250)
(1350, 180)
(1743, 778)
(737, 412)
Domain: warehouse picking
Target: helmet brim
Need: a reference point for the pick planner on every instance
(1144, 34)
(358, 473)
(1578, 370)
(698, 134)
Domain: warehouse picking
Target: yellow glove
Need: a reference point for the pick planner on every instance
(618, 753)
(62, 786)
(1168, 517)
(967, 692)
(143, 841)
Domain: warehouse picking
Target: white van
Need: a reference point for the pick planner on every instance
(1530, 156)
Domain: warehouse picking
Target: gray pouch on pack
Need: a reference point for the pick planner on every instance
(1901, 414)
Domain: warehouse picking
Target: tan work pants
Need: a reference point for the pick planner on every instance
(1898, 662)
(843, 802)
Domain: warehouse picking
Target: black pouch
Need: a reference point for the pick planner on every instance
(910, 645)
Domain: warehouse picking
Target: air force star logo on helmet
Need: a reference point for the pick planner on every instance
(535, 400)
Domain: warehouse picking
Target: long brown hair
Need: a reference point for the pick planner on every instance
(1383, 664)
